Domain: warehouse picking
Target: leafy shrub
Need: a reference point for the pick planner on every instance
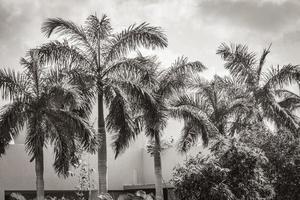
(17, 196)
(283, 152)
(139, 195)
(232, 171)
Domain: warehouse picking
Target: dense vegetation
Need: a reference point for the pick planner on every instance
(262, 159)
(232, 171)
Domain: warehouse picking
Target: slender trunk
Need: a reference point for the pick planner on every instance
(90, 194)
(39, 171)
(158, 171)
(102, 152)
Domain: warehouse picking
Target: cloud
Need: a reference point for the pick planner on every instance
(263, 16)
(194, 28)
(292, 37)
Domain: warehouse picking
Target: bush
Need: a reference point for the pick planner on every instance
(231, 171)
(283, 152)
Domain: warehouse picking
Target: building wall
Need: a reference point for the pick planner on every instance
(135, 166)
(17, 173)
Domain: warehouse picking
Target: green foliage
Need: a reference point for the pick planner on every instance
(232, 170)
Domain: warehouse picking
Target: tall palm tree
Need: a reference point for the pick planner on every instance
(153, 116)
(261, 85)
(48, 107)
(102, 55)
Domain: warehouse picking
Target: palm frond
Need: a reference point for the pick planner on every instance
(143, 67)
(143, 100)
(65, 155)
(63, 54)
(197, 123)
(155, 118)
(280, 76)
(289, 100)
(65, 94)
(262, 62)
(119, 122)
(130, 39)
(64, 28)
(12, 120)
(64, 143)
(13, 84)
(137, 91)
(290, 103)
(239, 62)
(189, 137)
(69, 30)
(97, 29)
(179, 75)
(35, 138)
(231, 86)
(182, 66)
(34, 71)
(281, 116)
(69, 134)
(80, 127)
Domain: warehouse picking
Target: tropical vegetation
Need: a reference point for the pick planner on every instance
(49, 109)
(153, 116)
(250, 115)
(232, 171)
(100, 57)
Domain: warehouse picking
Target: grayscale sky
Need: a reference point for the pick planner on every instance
(195, 28)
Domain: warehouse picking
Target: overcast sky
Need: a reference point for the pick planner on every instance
(195, 28)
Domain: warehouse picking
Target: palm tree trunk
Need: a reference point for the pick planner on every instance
(158, 171)
(102, 152)
(39, 171)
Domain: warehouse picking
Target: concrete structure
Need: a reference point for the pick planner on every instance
(133, 167)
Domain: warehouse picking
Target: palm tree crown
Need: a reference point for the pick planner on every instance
(151, 112)
(47, 107)
(262, 86)
(208, 109)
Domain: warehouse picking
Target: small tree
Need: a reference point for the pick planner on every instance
(232, 171)
(85, 179)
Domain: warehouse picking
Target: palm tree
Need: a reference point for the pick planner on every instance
(47, 106)
(102, 56)
(220, 106)
(153, 116)
(261, 85)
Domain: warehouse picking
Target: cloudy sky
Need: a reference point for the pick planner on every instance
(195, 28)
